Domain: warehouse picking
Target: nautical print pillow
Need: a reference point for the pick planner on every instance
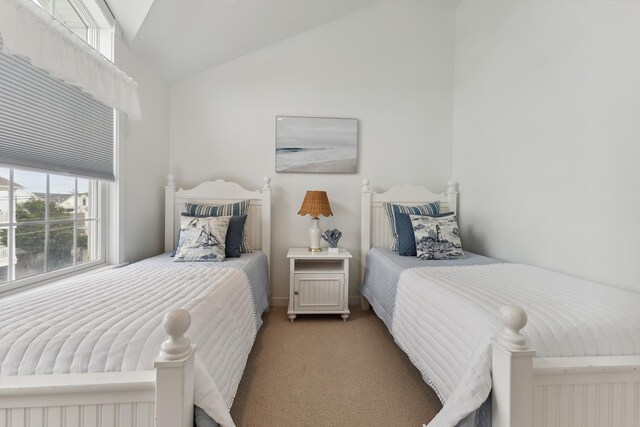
(202, 239)
(406, 238)
(231, 209)
(391, 209)
(437, 238)
(235, 232)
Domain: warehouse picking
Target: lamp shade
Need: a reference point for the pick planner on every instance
(315, 203)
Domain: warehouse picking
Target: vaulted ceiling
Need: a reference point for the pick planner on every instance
(183, 37)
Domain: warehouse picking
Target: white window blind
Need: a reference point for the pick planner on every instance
(50, 125)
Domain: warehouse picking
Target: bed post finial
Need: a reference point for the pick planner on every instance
(452, 187)
(512, 371)
(267, 184)
(513, 319)
(175, 324)
(365, 186)
(175, 377)
(171, 180)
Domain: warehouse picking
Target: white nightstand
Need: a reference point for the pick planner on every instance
(318, 282)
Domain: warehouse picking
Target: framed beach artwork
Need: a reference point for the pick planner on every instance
(316, 145)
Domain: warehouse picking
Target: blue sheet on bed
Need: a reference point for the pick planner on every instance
(383, 270)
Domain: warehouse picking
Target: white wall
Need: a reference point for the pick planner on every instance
(547, 134)
(144, 156)
(390, 66)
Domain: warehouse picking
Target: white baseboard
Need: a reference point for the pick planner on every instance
(284, 301)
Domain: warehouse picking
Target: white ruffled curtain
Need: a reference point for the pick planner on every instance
(29, 31)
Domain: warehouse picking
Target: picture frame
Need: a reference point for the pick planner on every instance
(316, 144)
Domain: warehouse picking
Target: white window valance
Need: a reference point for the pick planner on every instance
(31, 32)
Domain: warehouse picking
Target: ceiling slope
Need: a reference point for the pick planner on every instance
(130, 15)
(181, 38)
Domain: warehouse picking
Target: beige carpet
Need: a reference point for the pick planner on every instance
(321, 371)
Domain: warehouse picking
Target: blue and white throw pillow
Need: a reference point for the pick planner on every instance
(202, 239)
(235, 232)
(231, 209)
(406, 237)
(432, 208)
(437, 238)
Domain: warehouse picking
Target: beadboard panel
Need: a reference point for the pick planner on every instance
(320, 291)
(588, 405)
(381, 236)
(109, 415)
(253, 226)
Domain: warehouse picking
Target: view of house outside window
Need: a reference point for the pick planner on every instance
(47, 223)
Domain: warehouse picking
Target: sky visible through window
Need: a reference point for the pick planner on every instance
(34, 182)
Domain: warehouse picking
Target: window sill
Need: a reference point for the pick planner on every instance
(58, 277)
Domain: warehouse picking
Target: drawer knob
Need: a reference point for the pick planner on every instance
(296, 292)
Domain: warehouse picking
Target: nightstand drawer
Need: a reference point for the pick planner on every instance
(319, 292)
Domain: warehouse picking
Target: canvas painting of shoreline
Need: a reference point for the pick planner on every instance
(316, 145)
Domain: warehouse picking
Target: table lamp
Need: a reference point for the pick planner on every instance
(315, 203)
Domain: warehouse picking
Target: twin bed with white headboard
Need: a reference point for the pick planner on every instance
(258, 225)
(109, 348)
(375, 230)
(503, 344)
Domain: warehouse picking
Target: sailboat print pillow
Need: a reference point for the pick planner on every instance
(202, 239)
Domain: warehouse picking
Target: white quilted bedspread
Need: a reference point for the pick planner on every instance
(445, 316)
(112, 321)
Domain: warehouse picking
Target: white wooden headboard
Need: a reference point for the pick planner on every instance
(219, 192)
(375, 229)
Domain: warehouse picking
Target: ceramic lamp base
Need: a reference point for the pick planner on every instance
(314, 236)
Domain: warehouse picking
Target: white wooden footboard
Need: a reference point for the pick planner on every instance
(113, 399)
(559, 391)
(110, 399)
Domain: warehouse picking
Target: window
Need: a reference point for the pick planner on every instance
(48, 223)
(88, 19)
(53, 224)
(64, 12)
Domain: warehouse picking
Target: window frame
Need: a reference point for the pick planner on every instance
(101, 25)
(101, 244)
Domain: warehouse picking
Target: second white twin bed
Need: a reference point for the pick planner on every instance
(445, 314)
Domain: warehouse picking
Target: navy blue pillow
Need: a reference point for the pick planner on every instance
(406, 238)
(233, 241)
